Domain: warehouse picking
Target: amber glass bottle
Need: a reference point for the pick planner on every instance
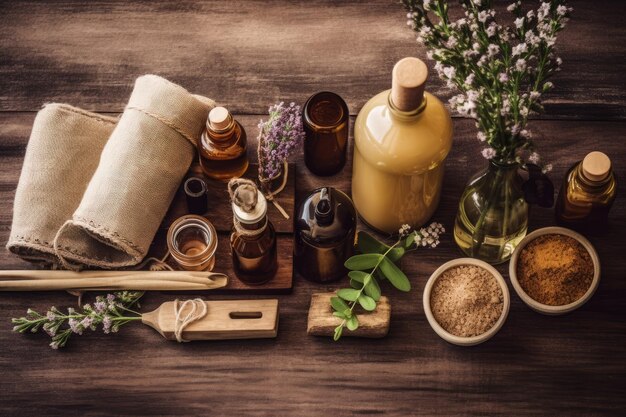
(222, 146)
(326, 124)
(325, 229)
(253, 239)
(587, 194)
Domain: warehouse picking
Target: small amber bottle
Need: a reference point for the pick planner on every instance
(587, 194)
(222, 146)
(326, 124)
(253, 239)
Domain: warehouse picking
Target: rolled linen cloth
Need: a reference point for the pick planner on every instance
(140, 168)
(62, 155)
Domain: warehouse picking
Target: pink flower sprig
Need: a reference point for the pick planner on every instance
(279, 137)
(500, 70)
(111, 312)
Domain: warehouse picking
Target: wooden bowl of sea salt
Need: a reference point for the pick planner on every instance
(466, 301)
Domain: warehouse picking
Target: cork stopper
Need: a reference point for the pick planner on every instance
(407, 83)
(596, 166)
(220, 118)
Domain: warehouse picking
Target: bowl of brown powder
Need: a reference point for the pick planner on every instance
(466, 301)
(554, 270)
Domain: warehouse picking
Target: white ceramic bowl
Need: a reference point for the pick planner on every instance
(544, 308)
(458, 340)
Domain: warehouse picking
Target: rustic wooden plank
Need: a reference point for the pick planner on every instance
(249, 54)
(219, 207)
(570, 365)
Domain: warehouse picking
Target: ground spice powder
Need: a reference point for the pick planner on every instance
(466, 300)
(555, 269)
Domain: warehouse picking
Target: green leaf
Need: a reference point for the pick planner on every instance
(348, 294)
(338, 331)
(360, 276)
(409, 240)
(366, 243)
(352, 323)
(373, 289)
(367, 302)
(364, 261)
(338, 304)
(397, 278)
(340, 315)
(356, 284)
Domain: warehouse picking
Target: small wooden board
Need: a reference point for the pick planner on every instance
(220, 214)
(372, 324)
(224, 320)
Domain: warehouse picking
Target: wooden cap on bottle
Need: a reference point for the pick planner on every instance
(407, 83)
(596, 166)
(219, 118)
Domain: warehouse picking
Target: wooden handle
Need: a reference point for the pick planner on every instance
(42, 280)
(229, 319)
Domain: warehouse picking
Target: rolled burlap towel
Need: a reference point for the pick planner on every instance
(62, 155)
(140, 168)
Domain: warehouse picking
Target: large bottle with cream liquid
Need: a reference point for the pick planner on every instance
(402, 137)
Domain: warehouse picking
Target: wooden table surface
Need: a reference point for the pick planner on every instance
(248, 55)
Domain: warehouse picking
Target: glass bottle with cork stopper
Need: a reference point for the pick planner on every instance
(222, 147)
(402, 137)
(253, 239)
(587, 194)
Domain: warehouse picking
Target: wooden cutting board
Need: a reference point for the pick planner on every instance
(220, 214)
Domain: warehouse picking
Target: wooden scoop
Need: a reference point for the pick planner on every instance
(230, 319)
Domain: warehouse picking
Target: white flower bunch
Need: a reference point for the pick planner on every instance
(501, 71)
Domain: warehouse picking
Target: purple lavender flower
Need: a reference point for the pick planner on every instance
(100, 306)
(107, 323)
(279, 137)
(75, 326)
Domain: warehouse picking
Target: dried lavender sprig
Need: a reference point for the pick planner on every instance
(111, 311)
(279, 137)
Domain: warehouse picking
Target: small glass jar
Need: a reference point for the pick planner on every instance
(192, 242)
(253, 244)
(326, 124)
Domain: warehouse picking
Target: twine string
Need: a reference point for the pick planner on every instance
(197, 311)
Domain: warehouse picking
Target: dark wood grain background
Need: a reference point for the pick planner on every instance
(248, 55)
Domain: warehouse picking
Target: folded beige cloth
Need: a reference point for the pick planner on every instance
(139, 170)
(62, 155)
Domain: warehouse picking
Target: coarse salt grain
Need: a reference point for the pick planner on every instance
(466, 300)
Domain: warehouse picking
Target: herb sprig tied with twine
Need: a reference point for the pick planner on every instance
(377, 261)
(112, 311)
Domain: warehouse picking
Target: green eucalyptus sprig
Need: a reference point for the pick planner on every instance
(377, 261)
(111, 311)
